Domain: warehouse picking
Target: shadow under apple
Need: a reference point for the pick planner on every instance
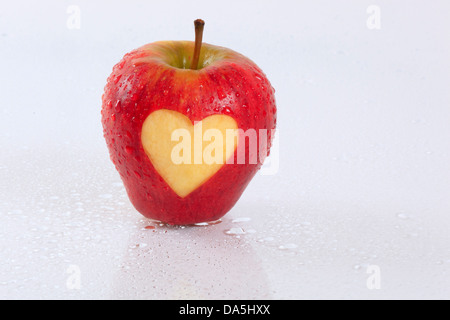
(192, 262)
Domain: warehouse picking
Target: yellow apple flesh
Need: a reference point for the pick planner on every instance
(178, 150)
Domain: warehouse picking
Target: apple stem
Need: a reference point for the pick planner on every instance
(199, 24)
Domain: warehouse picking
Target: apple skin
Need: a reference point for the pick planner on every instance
(144, 81)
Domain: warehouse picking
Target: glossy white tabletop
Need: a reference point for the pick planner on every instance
(357, 207)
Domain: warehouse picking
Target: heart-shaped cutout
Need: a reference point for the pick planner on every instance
(184, 154)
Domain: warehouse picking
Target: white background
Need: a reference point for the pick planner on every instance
(364, 179)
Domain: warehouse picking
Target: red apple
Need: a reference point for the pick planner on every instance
(167, 84)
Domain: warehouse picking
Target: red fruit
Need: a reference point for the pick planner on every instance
(158, 76)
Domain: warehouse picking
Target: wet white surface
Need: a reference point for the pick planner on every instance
(363, 179)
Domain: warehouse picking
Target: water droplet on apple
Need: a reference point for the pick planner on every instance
(138, 175)
(118, 107)
(129, 149)
(113, 117)
(244, 106)
(121, 64)
(134, 97)
(117, 78)
(227, 110)
(109, 104)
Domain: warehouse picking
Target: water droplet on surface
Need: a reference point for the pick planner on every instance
(402, 216)
(205, 224)
(234, 231)
(288, 246)
(243, 219)
(106, 196)
(201, 224)
(412, 235)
